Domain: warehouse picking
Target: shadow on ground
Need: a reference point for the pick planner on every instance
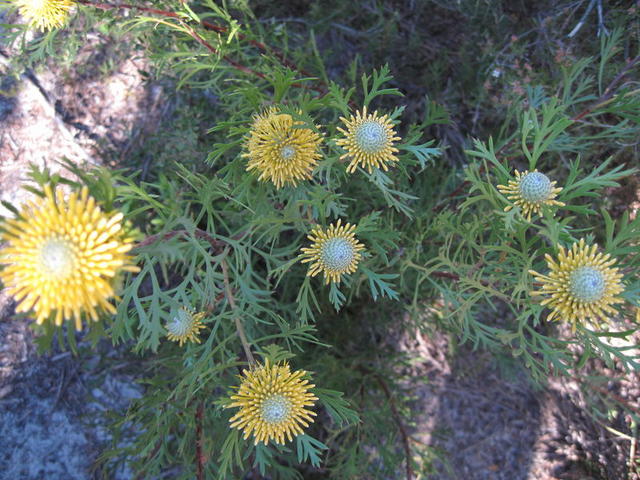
(486, 425)
(490, 422)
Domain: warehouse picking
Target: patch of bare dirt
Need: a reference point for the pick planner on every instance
(51, 423)
(50, 405)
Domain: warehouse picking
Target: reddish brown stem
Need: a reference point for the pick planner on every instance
(443, 203)
(216, 245)
(608, 394)
(617, 398)
(261, 46)
(220, 29)
(156, 448)
(214, 51)
(398, 419)
(450, 275)
(212, 306)
(200, 460)
(208, 25)
(608, 92)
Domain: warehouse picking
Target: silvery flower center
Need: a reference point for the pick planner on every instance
(587, 284)
(287, 152)
(57, 258)
(371, 137)
(337, 253)
(535, 187)
(180, 323)
(275, 409)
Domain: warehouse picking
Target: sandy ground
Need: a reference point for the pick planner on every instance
(51, 409)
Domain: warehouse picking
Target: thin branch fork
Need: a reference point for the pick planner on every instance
(232, 302)
(217, 246)
(398, 419)
(220, 29)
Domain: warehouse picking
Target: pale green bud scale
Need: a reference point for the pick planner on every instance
(337, 253)
(587, 284)
(275, 409)
(371, 137)
(181, 323)
(535, 187)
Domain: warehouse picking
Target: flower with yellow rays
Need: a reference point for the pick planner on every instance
(368, 141)
(45, 14)
(62, 257)
(581, 285)
(185, 325)
(334, 251)
(280, 149)
(272, 403)
(530, 191)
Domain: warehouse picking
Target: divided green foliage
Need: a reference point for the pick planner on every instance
(480, 268)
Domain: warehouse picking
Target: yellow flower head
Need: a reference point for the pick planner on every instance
(368, 141)
(530, 191)
(272, 403)
(62, 256)
(334, 251)
(45, 14)
(281, 149)
(185, 326)
(581, 284)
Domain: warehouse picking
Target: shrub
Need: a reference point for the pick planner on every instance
(256, 267)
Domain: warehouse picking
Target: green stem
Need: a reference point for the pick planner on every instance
(236, 318)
